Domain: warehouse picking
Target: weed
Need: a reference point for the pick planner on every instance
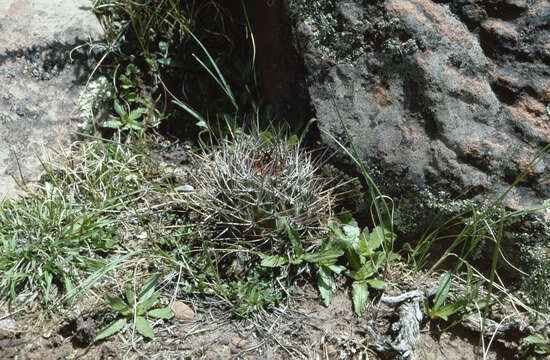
(163, 42)
(364, 255)
(67, 225)
(441, 309)
(533, 347)
(255, 293)
(136, 308)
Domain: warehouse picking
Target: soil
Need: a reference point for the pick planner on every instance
(301, 328)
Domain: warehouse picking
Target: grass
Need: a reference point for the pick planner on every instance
(68, 223)
(237, 222)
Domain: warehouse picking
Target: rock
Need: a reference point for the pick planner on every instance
(39, 83)
(182, 311)
(184, 188)
(438, 96)
(85, 331)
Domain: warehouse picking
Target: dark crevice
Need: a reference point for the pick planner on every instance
(505, 94)
(506, 12)
(430, 125)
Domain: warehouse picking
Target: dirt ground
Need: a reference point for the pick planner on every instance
(301, 328)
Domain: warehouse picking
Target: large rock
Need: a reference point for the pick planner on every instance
(439, 96)
(39, 84)
(428, 100)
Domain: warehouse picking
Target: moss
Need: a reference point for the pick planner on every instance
(343, 32)
(534, 250)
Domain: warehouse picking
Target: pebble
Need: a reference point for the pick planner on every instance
(182, 311)
(184, 188)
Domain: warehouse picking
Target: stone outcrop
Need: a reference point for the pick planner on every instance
(440, 96)
(39, 83)
(451, 95)
(443, 94)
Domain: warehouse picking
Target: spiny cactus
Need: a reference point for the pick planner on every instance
(250, 183)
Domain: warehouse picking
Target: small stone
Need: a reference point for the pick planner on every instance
(184, 188)
(332, 352)
(242, 344)
(182, 311)
(85, 331)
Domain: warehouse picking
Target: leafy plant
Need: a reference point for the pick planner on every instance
(162, 42)
(362, 251)
(132, 107)
(256, 293)
(127, 119)
(365, 255)
(136, 308)
(533, 347)
(441, 308)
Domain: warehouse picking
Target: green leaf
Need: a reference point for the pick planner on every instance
(68, 284)
(376, 284)
(442, 291)
(130, 294)
(325, 283)
(118, 304)
(48, 277)
(114, 123)
(347, 218)
(354, 259)
(294, 238)
(324, 255)
(377, 259)
(163, 46)
(360, 295)
(274, 261)
(148, 287)
(376, 238)
(143, 327)
(119, 109)
(131, 69)
(533, 339)
(164, 313)
(449, 309)
(166, 61)
(365, 272)
(132, 124)
(145, 304)
(111, 329)
(362, 243)
(136, 114)
(336, 268)
(293, 140)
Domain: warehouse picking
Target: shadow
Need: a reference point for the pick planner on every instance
(50, 59)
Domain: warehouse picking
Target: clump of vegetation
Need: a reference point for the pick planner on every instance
(67, 223)
(252, 184)
(154, 52)
(135, 308)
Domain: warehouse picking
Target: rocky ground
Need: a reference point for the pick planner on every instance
(41, 78)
